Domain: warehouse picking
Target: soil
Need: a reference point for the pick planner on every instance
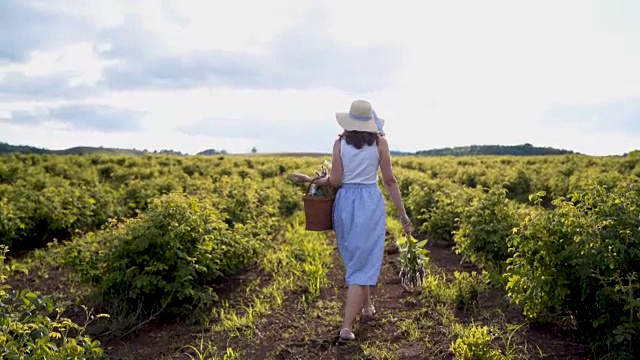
(310, 332)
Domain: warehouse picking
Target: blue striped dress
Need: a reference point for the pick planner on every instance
(359, 215)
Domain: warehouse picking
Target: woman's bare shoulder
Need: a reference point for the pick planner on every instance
(383, 141)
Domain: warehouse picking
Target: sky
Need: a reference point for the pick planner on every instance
(233, 75)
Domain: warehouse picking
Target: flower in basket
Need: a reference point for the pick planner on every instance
(413, 260)
(322, 191)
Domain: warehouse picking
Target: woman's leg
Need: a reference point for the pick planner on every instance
(355, 301)
(367, 298)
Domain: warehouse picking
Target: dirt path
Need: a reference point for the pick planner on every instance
(312, 333)
(407, 325)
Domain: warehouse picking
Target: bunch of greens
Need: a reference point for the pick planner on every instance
(413, 260)
(322, 191)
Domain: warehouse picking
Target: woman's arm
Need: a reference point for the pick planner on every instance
(391, 183)
(335, 176)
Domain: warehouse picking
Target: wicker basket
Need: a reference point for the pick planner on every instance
(318, 211)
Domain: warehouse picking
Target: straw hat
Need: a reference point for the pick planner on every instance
(361, 117)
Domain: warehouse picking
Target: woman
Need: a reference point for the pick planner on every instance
(359, 214)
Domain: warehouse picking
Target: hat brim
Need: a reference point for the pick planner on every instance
(350, 124)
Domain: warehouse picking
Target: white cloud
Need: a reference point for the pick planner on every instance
(469, 72)
(243, 25)
(101, 13)
(79, 58)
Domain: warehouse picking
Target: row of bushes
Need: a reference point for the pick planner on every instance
(163, 263)
(557, 176)
(43, 197)
(580, 256)
(583, 258)
(118, 170)
(165, 260)
(162, 256)
(46, 197)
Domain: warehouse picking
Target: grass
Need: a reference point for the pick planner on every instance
(379, 351)
(300, 261)
(445, 297)
(209, 352)
(473, 342)
(410, 329)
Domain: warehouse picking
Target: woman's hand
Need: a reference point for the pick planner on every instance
(299, 177)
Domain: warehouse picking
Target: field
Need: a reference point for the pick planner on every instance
(206, 257)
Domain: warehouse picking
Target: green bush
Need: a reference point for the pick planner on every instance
(290, 200)
(47, 208)
(165, 258)
(442, 207)
(518, 186)
(31, 327)
(467, 288)
(239, 200)
(462, 290)
(583, 258)
(418, 194)
(485, 225)
(10, 223)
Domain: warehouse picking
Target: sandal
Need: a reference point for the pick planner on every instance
(369, 312)
(346, 334)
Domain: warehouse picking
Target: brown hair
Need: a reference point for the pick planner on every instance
(358, 139)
